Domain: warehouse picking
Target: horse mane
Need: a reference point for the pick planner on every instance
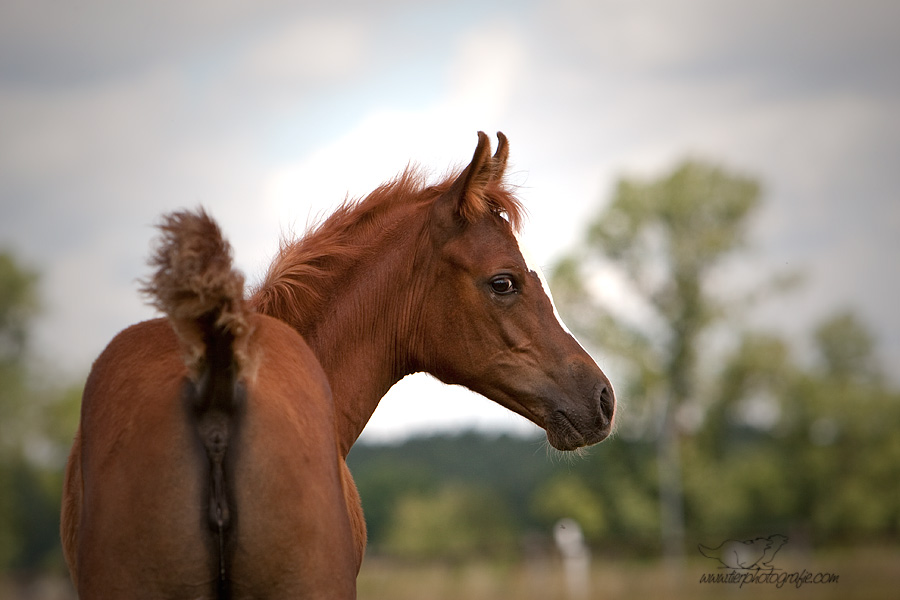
(299, 277)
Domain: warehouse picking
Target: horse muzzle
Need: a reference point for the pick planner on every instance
(573, 425)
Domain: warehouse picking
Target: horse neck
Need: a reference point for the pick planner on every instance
(362, 358)
(363, 334)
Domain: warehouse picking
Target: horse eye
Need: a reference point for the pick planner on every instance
(502, 285)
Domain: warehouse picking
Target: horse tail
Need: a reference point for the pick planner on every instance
(197, 287)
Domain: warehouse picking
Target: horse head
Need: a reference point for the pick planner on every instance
(488, 321)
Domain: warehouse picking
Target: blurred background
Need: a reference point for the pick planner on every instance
(712, 191)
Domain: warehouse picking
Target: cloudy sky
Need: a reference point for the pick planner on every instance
(269, 113)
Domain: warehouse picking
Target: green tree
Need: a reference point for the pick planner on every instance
(838, 433)
(748, 391)
(568, 496)
(36, 429)
(846, 349)
(666, 236)
(455, 523)
(18, 304)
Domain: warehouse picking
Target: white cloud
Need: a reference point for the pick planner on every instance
(437, 137)
(485, 73)
(304, 51)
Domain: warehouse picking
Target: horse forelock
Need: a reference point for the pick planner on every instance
(496, 198)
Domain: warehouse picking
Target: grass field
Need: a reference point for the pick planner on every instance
(868, 574)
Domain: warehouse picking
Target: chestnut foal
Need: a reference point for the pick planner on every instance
(210, 460)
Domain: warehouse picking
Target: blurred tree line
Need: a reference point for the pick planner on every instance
(37, 422)
(723, 432)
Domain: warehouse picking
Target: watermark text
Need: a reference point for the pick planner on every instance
(779, 579)
(752, 562)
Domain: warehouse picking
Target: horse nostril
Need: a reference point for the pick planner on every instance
(605, 399)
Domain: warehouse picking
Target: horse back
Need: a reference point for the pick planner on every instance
(144, 529)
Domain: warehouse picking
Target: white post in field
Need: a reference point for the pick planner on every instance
(576, 558)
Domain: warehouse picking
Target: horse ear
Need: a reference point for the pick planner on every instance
(479, 172)
(500, 156)
(467, 193)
